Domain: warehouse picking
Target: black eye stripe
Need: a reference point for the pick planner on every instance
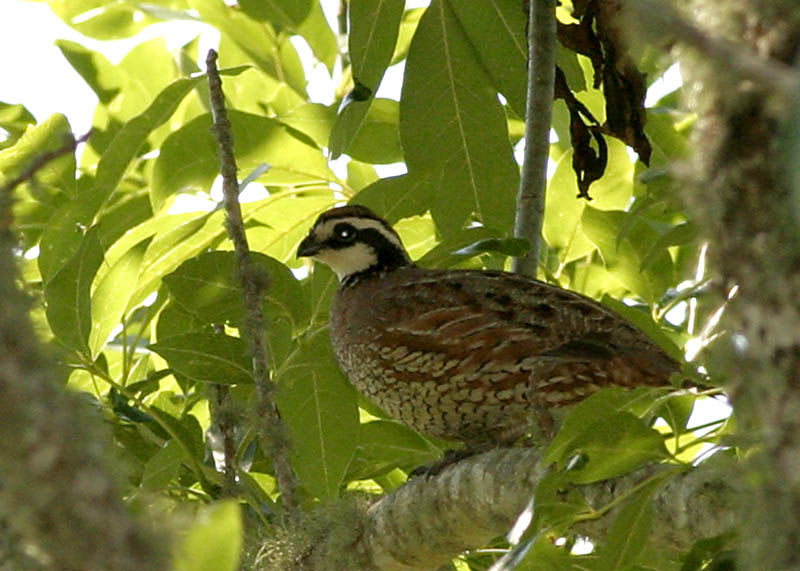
(344, 233)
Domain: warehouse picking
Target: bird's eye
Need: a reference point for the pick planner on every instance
(344, 232)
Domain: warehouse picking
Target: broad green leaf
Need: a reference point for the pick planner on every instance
(214, 542)
(497, 33)
(51, 134)
(563, 210)
(284, 220)
(103, 78)
(602, 404)
(384, 445)
(644, 321)
(372, 37)
(251, 92)
(257, 39)
(190, 235)
(282, 13)
(627, 536)
(608, 447)
(624, 257)
(176, 320)
(101, 19)
(312, 119)
(69, 310)
(162, 467)
(399, 196)
(453, 128)
(207, 357)
(110, 297)
(127, 143)
(319, 36)
(36, 200)
(151, 60)
(368, 131)
(14, 120)
(208, 286)
(319, 408)
(188, 159)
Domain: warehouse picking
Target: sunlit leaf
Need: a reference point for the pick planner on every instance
(453, 128)
(320, 410)
(69, 310)
(373, 33)
(207, 357)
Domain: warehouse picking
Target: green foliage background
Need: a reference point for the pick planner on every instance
(140, 302)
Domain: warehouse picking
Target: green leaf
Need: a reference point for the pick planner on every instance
(188, 159)
(643, 321)
(627, 536)
(101, 76)
(14, 120)
(368, 131)
(372, 36)
(563, 210)
(316, 31)
(207, 357)
(101, 19)
(384, 445)
(544, 555)
(556, 503)
(282, 13)
(207, 285)
(453, 129)
(606, 447)
(69, 310)
(256, 39)
(623, 256)
(319, 408)
(214, 542)
(497, 33)
(398, 196)
(162, 467)
(126, 144)
(110, 297)
(311, 119)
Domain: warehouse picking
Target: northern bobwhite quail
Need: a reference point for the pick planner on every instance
(467, 355)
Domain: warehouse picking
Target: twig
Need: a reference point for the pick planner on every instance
(273, 432)
(538, 113)
(41, 160)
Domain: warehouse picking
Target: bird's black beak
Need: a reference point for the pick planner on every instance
(308, 247)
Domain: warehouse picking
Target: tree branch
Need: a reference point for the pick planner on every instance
(273, 431)
(428, 521)
(40, 161)
(57, 490)
(538, 113)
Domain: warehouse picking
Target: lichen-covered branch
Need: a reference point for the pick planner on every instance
(57, 492)
(428, 521)
(538, 113)
(273, 432)
(736, 62)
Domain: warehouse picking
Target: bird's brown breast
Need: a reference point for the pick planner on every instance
(463, 355)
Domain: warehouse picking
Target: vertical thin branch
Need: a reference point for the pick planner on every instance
(273, 431)
(538, 113)
(223, 424)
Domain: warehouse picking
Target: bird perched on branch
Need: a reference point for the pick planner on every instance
(467, 355)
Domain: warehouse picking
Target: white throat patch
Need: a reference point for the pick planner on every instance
(348, 261)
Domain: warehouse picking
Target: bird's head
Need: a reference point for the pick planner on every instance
(352, 240)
